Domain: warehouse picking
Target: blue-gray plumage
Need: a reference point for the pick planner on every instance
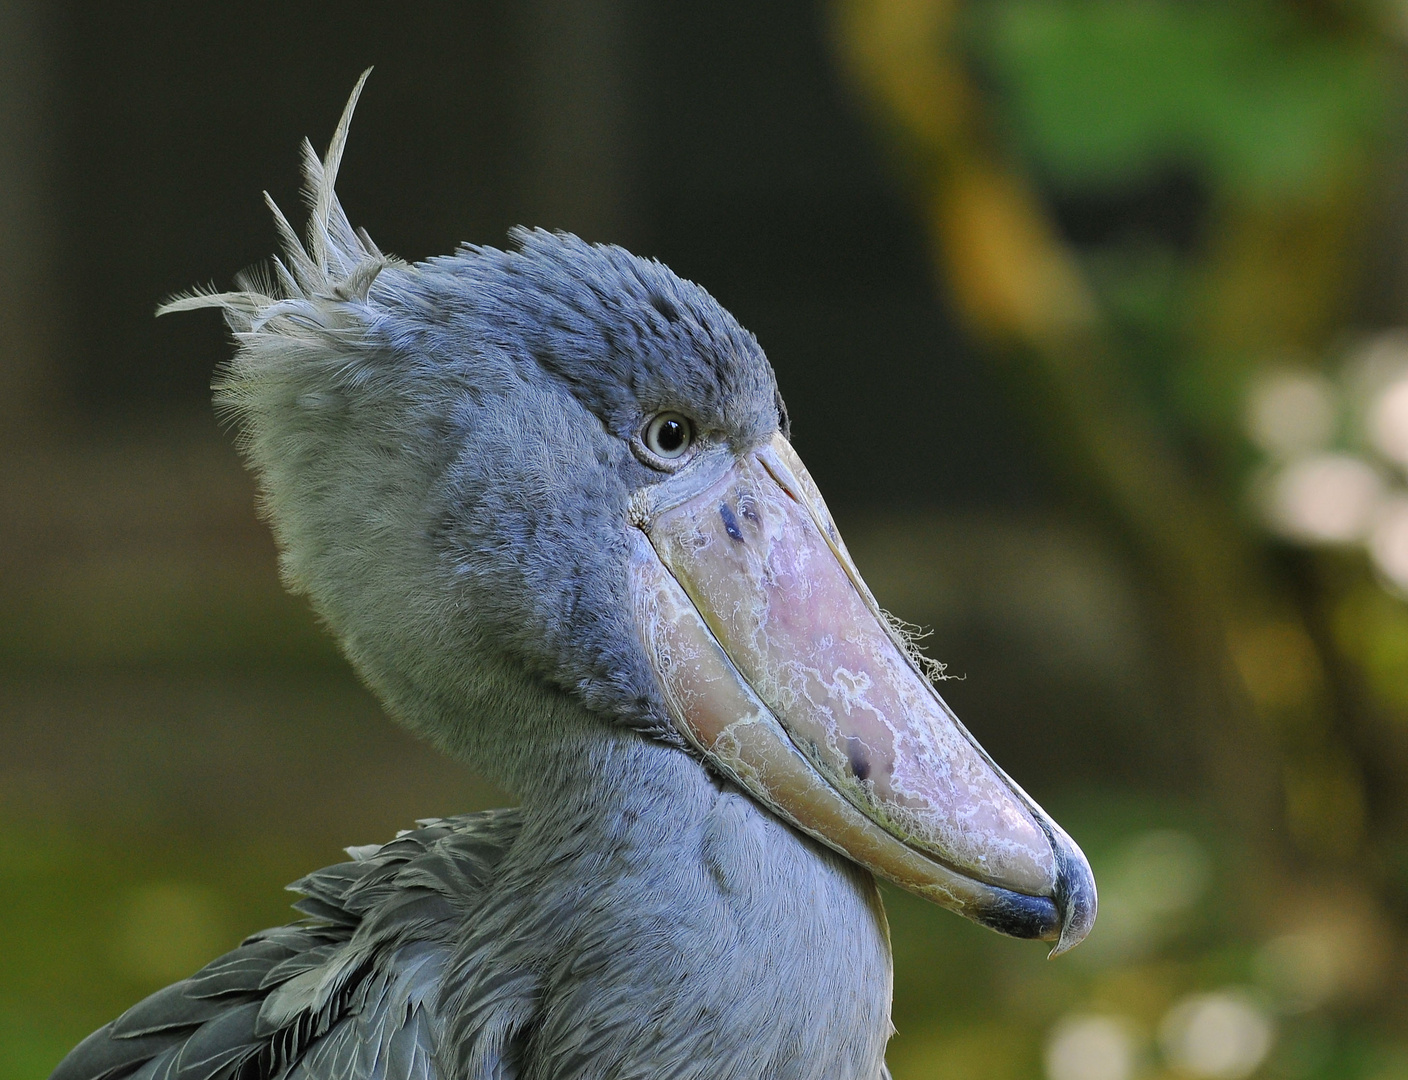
(498, 476)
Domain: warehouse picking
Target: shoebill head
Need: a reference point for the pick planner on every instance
(526, 485)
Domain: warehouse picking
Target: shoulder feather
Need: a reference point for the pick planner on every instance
(350, 992)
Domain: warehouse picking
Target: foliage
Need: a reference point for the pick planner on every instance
(1144, 211)
(1254, 98)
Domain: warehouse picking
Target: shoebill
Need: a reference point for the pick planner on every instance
(545, 499)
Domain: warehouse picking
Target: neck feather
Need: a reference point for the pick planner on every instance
(636, 878)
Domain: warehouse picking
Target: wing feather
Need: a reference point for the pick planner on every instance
(101, 1057)
(245, 970)
(351, 993)
(166, 1010)
(161, 1067)
(221, 1045)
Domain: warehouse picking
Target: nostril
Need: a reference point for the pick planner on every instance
(730, 522)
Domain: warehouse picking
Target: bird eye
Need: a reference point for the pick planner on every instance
(669, 435)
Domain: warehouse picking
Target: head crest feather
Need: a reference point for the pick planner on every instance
(312, 281)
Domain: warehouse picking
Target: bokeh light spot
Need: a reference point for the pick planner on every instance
(1221, 1036)
(1326, 498)
(1337, 947)
(1301, 969)
(1167, 870)
(1388, 422)
(1160, 875)
(1090, 1048)
(1291, 413)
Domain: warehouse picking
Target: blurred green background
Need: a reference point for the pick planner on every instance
(1092, 316)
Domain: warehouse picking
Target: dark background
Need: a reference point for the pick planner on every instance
(717, 138)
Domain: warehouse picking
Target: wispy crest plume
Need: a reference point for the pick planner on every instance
(311, 282)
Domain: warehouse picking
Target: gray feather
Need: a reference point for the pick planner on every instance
(161, 1067)
(299, 964)
(323, 911)
(173, 1007)
(409, 1052)
(220, 1045)
(318, 997)
(100, 1056)
(333, 1057)
(241, 971)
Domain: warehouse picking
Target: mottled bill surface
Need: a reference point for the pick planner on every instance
(780, 667)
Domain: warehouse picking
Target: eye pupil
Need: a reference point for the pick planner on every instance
(669, 435)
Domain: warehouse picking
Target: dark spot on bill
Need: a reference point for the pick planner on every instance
(859, 756)
(730, 522)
